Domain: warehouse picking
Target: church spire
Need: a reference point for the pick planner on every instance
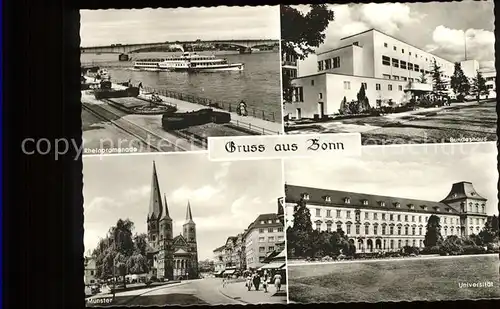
(165, 214)
(155, 205)
(189, 216)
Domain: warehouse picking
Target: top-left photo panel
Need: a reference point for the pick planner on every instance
(164, 80)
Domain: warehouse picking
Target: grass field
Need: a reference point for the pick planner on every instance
(475, 121)
(396, 280)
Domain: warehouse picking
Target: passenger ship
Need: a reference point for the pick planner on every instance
(189, 62)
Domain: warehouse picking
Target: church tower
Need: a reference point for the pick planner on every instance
(189, 233)
(166, 254)
(155, 211)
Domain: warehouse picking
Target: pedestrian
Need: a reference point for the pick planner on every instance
(277, 282)
(265, 282)
(224, 281)
(256, 281)
(249, 282)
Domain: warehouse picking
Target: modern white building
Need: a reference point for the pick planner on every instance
(387, 223)
(391, 71)
(490, 75)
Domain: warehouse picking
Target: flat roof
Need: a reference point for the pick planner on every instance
(373, 29)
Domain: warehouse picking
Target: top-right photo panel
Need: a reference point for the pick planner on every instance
(396, 73)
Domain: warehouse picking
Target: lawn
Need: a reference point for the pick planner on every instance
(394, 280)
(476, 121)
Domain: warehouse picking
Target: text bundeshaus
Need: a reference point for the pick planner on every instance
(283, 146)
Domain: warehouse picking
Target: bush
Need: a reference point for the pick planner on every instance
(409, 250)
(430, 250)
(472, 249)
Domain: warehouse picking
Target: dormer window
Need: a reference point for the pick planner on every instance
(382, 203)
(347, 200)
(328, 199)
(454, 195)
(424, 207)
(305, 196)
(473, 193)
(448, 209)
(397, 204)
(269, 221)
(437, 209)
(262, 222)
(411, 206)
(365, 202)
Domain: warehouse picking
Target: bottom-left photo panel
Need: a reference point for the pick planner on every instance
(179, 229)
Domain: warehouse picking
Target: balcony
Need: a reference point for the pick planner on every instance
(289, 63)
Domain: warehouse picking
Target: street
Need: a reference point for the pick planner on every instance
(190, 292)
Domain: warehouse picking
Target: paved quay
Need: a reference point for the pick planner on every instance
(257, 125)
(239, 291)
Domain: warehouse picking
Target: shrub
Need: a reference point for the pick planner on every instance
(409, 250)
(473, 249)
(431, 250)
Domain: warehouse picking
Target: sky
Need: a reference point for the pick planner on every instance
(105, 27)
(436, 27)
(424, 172)
(225, 197)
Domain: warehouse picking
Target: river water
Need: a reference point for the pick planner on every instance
(258, 84)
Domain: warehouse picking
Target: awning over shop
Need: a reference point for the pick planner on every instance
(219, 272)
(273, 266)
(229, 272)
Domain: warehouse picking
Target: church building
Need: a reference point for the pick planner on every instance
(172, 258)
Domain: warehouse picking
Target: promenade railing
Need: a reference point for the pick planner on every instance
(224, 105)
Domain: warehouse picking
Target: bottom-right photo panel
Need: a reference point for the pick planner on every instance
(404, 223)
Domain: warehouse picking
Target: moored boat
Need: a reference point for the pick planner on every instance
(189, 62)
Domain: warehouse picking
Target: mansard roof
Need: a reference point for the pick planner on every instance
(461, 190)
(336, 198)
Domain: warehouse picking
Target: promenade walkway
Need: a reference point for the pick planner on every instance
(238, 291)
(257, 125)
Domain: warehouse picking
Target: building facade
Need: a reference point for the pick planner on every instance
(490, 76)
(171, 258)
(219, 264)
(261, 238)
(383, 223)
(90, 270)
(391, 70)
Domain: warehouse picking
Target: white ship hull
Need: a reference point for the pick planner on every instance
(220, 68)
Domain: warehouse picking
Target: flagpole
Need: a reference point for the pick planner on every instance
(465, 45)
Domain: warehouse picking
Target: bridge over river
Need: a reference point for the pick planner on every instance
(245, 45)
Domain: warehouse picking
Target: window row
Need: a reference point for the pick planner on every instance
(271, 239)
(428, 59)
(389, 230)
(332, 63)
(347, 86)
(270, 221)
(271, 230)
(263, 249)
(373, 215)
(406, 65)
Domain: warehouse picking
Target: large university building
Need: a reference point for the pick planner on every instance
(390, 70)
(172, 258)
(385, 223)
